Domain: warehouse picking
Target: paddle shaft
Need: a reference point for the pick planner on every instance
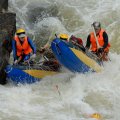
(98, 46)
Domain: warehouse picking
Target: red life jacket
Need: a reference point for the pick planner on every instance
(100, 41)
(23, 48)
(77, 40)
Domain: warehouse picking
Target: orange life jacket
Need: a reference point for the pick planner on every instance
(23, 48)
(100, 41)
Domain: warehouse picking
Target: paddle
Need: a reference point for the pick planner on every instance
(98, 46)
(100, 53)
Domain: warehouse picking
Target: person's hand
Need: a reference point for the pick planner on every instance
(33, 56)
(100, 50)
(15, 62)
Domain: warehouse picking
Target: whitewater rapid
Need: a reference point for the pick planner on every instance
(66, 96)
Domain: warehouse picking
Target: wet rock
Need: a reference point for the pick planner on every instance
(7, 31)
(3, 5)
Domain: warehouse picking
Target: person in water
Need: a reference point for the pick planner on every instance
(97, 42)
(23, 47)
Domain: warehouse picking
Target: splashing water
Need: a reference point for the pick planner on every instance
(77, 96)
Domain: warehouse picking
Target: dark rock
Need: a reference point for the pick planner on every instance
(7, 31)
(3, 5)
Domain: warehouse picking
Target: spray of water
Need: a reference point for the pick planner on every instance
(66, 96)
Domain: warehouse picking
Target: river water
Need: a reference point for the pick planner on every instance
(66, 96)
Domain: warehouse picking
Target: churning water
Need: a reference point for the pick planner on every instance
(66, 96)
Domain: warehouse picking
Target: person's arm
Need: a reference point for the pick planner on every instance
(32, 45)
(14, 49)
(88, 42)
(105, 36)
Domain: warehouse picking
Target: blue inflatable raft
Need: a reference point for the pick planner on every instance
(73, 59)
(27, 74)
